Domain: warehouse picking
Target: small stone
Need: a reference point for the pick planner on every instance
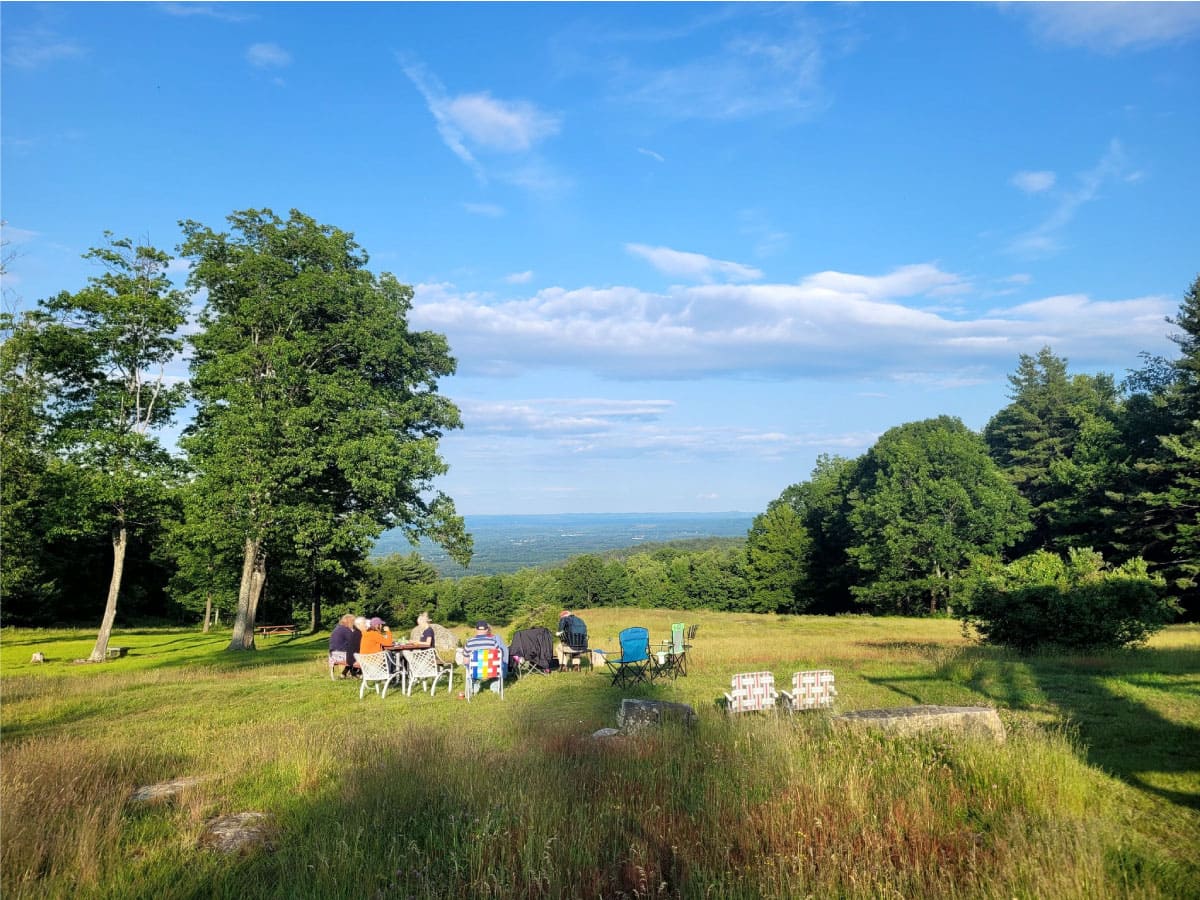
(606, 733)
(165, 790)
(239, 833)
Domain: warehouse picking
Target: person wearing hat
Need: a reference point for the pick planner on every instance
(376, 637)
(484, 639)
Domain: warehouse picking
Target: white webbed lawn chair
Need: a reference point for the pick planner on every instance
(336, 658)
(425, 667)
(810, 690)
(375, 671)
(751, 692)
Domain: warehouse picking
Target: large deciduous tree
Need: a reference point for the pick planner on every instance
(928, 498)
(107, 347)
(777, 551)
(313, 394)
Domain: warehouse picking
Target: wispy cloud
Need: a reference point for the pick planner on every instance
(601, 427)
(226, 12)
(693, 266)
(1112, 27)
(490, 210)
(831, 323)
(519, 277)
(657, 157)
(268, 56)
(1033, 182)
(35, 48)
(1046, 238)
(470, 124)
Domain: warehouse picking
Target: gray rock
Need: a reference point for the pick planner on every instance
(606, 733)
(165, 790)
(636, 715)
(982, 721)
(239, 833)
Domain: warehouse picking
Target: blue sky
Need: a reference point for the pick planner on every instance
(679, 250)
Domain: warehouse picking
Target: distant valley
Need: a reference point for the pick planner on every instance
(508, 543)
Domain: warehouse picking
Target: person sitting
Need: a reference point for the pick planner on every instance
(376, 637)
(427, 638)
(344, 643)
(484, 639)
(572, 632)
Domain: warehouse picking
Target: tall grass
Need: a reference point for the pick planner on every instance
(432, 797)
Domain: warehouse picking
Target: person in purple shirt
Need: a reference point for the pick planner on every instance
(344, 643)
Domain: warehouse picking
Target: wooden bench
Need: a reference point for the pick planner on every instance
(272, 630)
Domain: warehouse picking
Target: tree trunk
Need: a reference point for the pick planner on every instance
(254, 574)
(207, 611)
(316, 611)
(119, 541)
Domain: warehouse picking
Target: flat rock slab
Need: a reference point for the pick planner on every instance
(165, 790)
(635, 715)
(239, 833)
(982, 721)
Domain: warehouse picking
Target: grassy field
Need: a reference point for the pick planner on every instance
(1096, 793)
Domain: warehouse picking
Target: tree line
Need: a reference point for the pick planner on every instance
(315, 425)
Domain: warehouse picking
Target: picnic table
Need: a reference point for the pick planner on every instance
(271, 630)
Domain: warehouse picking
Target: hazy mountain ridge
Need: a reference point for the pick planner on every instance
(506, 543)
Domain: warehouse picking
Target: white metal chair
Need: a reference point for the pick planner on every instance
(751, 692)
(810, 690)
(425, 667)
(374, 668)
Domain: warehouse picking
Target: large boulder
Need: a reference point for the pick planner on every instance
(635, 715)
(982, 721)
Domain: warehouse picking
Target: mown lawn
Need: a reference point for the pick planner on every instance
(1095, 793)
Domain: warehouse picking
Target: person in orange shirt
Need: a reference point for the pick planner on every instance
(376, 637)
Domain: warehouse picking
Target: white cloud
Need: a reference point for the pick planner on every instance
(1033, 182)
(268, 56)
(1111, 27)
(693, 266)
(1045, 239)
(34, 48)
(657, 157)
(599, 427)
(519, 277)
(473, 123)
(829, 324)
(491, 210)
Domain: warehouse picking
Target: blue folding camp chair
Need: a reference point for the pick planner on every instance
(633, 665)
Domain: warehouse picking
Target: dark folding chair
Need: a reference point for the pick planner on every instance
(633, 665)
(575, 649)
(531, 652)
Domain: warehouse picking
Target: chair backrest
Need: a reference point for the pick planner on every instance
(373, 666)
(575, 641)
(814, 689)
(422, 663)
(691, 632)
(677, 638)
(635, 644)
(752, 691)
(484, 663)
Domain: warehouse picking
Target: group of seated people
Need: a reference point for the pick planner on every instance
(359, 635)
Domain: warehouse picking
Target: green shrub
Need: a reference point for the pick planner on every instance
(1077, 603)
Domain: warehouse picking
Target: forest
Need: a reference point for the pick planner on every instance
(316, 428)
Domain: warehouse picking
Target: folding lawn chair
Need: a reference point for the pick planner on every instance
(480, 665)
(751, 692)
(633, 665)
(810, 690)
(424, 666)
(375, 671)
(531, 651)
